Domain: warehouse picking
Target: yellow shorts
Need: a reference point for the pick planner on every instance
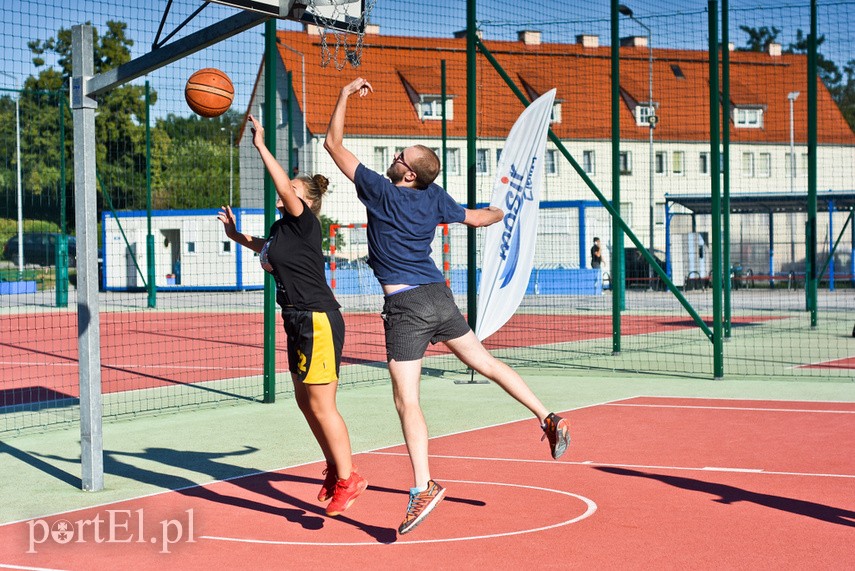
(315, 342)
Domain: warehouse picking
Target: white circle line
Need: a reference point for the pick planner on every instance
(591, 508)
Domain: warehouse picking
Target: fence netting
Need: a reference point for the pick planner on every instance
(196, 337)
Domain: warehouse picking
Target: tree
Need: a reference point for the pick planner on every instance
(827, 69)
(119, 124)
(759, 38)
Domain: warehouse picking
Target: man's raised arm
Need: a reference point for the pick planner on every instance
(343, 158)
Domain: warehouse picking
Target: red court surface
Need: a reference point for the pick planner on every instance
(846, 363)
(647, 483)
(140, 350)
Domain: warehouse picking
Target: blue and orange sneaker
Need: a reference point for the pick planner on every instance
(345, 493)
(421, 504)
(557, 430)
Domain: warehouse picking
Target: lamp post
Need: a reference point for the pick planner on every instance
(20, 191)
(303, 160)
(231, 163)
(651, 122)
(792, 96)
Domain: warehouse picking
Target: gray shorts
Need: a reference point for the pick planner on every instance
(415, 317)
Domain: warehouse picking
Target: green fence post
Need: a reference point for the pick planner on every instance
(617, 229)
(149, 239)
(811, 278)
(269, 119)
(471, 134)
(718, 348)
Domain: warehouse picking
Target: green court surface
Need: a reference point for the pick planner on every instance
(40, 472)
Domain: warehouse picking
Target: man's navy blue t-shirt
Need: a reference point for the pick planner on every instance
(401, 227)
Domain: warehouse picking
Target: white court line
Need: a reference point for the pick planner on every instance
(8, 566)
(591, 508)
(747, 408)
(259, 472)
(645, 466)
(665, 397)
(130, 366)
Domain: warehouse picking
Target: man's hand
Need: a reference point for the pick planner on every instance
(345, 160)
(483, 216)
(359, 85)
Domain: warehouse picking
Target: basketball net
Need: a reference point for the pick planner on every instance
(348, 41)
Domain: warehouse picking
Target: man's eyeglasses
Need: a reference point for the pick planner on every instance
(400, 159)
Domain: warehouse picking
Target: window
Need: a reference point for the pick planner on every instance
(704, 163)
(788, 165)
(748, 164)
(764, 165)
(804, 162)
(643, 113)
(191, 247)
(747, 117)
(588, 164)
(659, 213)
(482, 161)
(227, 247)
(498, 155)
(677, 163)
(625, 162)
(429, 107)
(381, 159)
(556, 113)
(661, 162)
(678, 73)
(452, 161)
(551, 164)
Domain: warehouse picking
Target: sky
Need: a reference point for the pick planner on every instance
(673, 24)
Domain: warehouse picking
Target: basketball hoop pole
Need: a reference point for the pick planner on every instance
(167, 54)
(84, 87)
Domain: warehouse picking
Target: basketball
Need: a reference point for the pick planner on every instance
(209, 92)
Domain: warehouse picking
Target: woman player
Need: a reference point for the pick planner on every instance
(313, 322)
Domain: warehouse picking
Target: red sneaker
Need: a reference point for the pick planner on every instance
(346, 492)
(328, 486)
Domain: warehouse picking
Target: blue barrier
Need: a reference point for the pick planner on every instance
(541, 282)
(10, 288)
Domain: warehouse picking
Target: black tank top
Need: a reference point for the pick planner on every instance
(296, 260)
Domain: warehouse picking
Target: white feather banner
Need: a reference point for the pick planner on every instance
(509, 244)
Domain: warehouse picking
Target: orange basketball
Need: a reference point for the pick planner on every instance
(209, 92)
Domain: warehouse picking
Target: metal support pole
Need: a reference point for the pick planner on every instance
(86, 215)
(792, 96)
(725, 179)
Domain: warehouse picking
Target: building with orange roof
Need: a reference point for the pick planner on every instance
(405, 109)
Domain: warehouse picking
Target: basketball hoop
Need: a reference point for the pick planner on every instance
(329, 15)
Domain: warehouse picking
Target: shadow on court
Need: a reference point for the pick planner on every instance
(731, 494)
(294, 510)
(308, 515)
(41, 465)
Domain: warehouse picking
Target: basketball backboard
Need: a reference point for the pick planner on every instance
(342, 15)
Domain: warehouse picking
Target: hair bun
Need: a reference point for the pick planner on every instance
(322, 182)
